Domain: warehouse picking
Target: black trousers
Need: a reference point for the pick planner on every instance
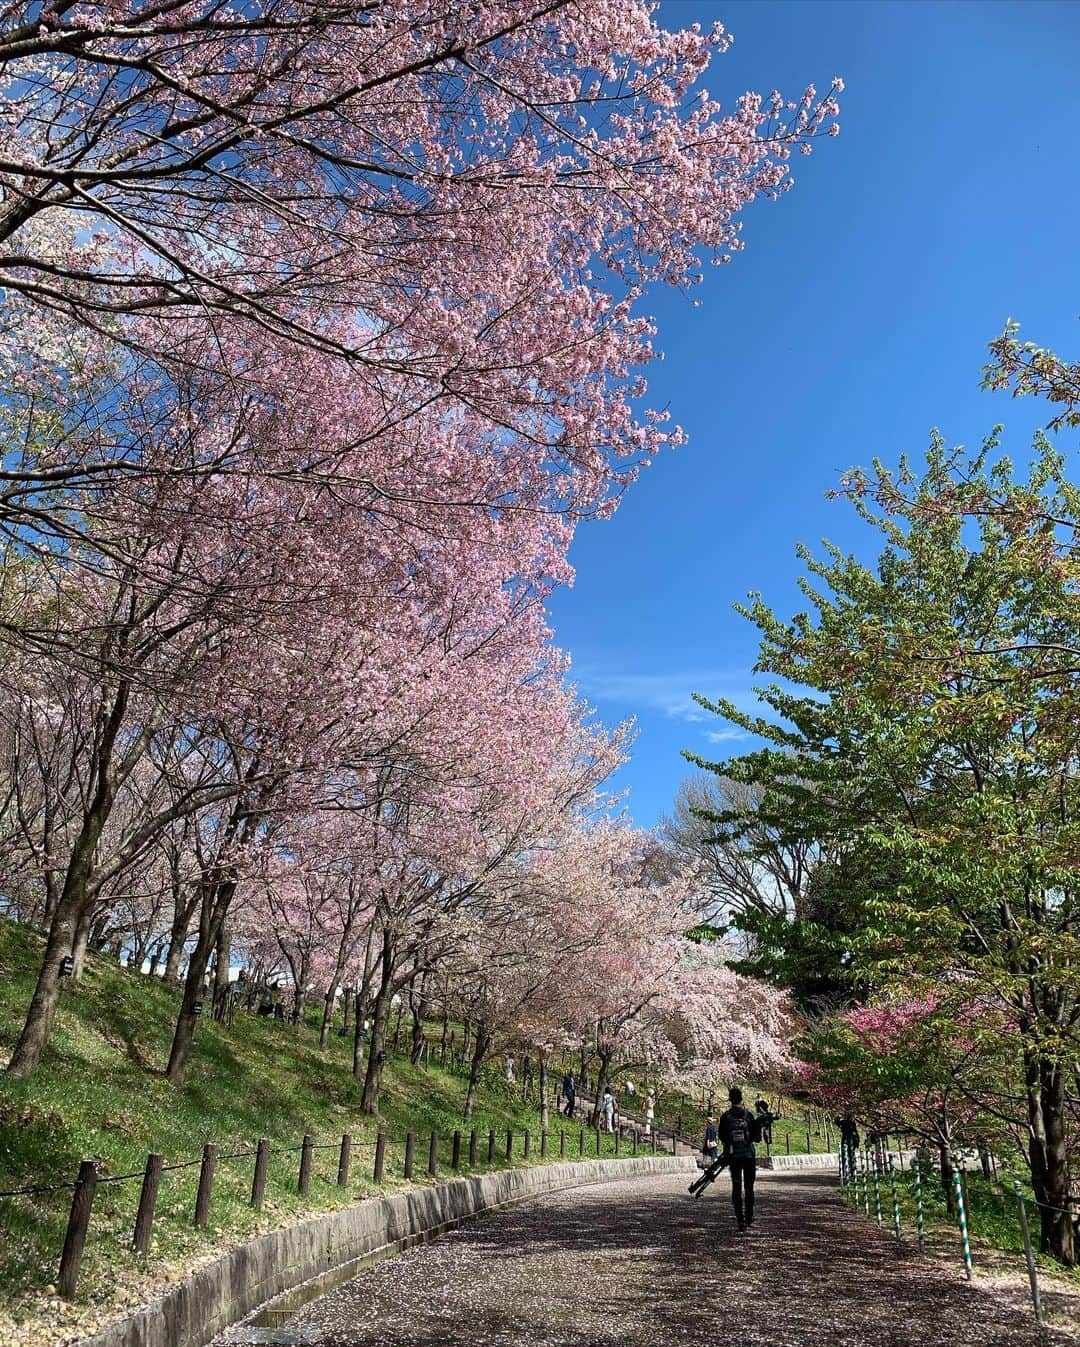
(569, 1105)
(743, 1172)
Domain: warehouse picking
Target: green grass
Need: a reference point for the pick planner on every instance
(100, 1093)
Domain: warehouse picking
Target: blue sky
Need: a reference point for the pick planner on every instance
(856, 319)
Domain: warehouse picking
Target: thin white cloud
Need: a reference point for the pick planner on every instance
(668, 693)
(725, 736)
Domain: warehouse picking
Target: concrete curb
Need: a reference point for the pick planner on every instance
(324, 1250)
(816, 1161)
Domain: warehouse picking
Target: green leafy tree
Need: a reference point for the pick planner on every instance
(924, 718)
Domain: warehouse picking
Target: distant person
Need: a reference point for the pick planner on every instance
(739, 1129)
(607, 1107)
(569, 1094)
(849, 1140)
(650, 1112)
(765, 1120)
(508, 1067)
(712, 1138)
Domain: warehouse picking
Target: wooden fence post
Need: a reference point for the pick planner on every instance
(633, 1143)
(472, 1149)
(258, 1182)
(144, 1220)
(543, 1144)
(344, 1156)
(491, 1146)
(455, 1153)
(433, 1155)
(509, 1145)
(526, 1148)
(562, 1143)
(206, 1184)
(598, 1141)
(380, 1157)
(410, 1142)
(304, 1182)
(78, 1224)
(618, 1135)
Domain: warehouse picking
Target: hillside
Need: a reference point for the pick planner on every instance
(99, 1093)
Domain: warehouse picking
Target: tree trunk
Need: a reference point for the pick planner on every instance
(300, 982)
(328, 1014)
(602, 1077)
(418, 1010)
(222, 959)
(947, 1184)
(178, 934)
(369, 1102)
(362, 993)
(543, 1091)
(358, 1036)
(72, 909)
(481, 1045)
(215, 903)
(1050, 1167)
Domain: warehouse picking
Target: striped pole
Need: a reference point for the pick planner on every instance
(865, 1166)
(877, 1187)
(961, 1215)
(843, 1172)
(918, 1204)
(895, 1198)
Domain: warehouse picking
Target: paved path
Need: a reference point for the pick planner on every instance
(638, 1263)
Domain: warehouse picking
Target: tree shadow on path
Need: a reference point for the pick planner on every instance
(639, 1263)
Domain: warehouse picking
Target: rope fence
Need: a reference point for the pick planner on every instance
(468, 1151)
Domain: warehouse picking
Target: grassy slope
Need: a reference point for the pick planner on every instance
(99, 1092)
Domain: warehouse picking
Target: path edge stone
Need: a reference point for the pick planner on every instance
(321, 1250)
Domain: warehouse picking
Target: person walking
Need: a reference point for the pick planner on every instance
(712, 1137)
(765, 1120)
(569, 1093)
(739, 1129)
(650, 1112)
(849, 1141)
(608, 1107)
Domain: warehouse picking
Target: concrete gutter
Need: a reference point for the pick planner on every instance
(322, 1251)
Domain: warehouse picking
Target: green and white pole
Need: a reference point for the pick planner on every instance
(866, 1180)
(895, 1198)
(918, 1205)
(877, 1186)
(961, 1214)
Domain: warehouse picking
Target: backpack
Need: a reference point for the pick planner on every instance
(740, 1131)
